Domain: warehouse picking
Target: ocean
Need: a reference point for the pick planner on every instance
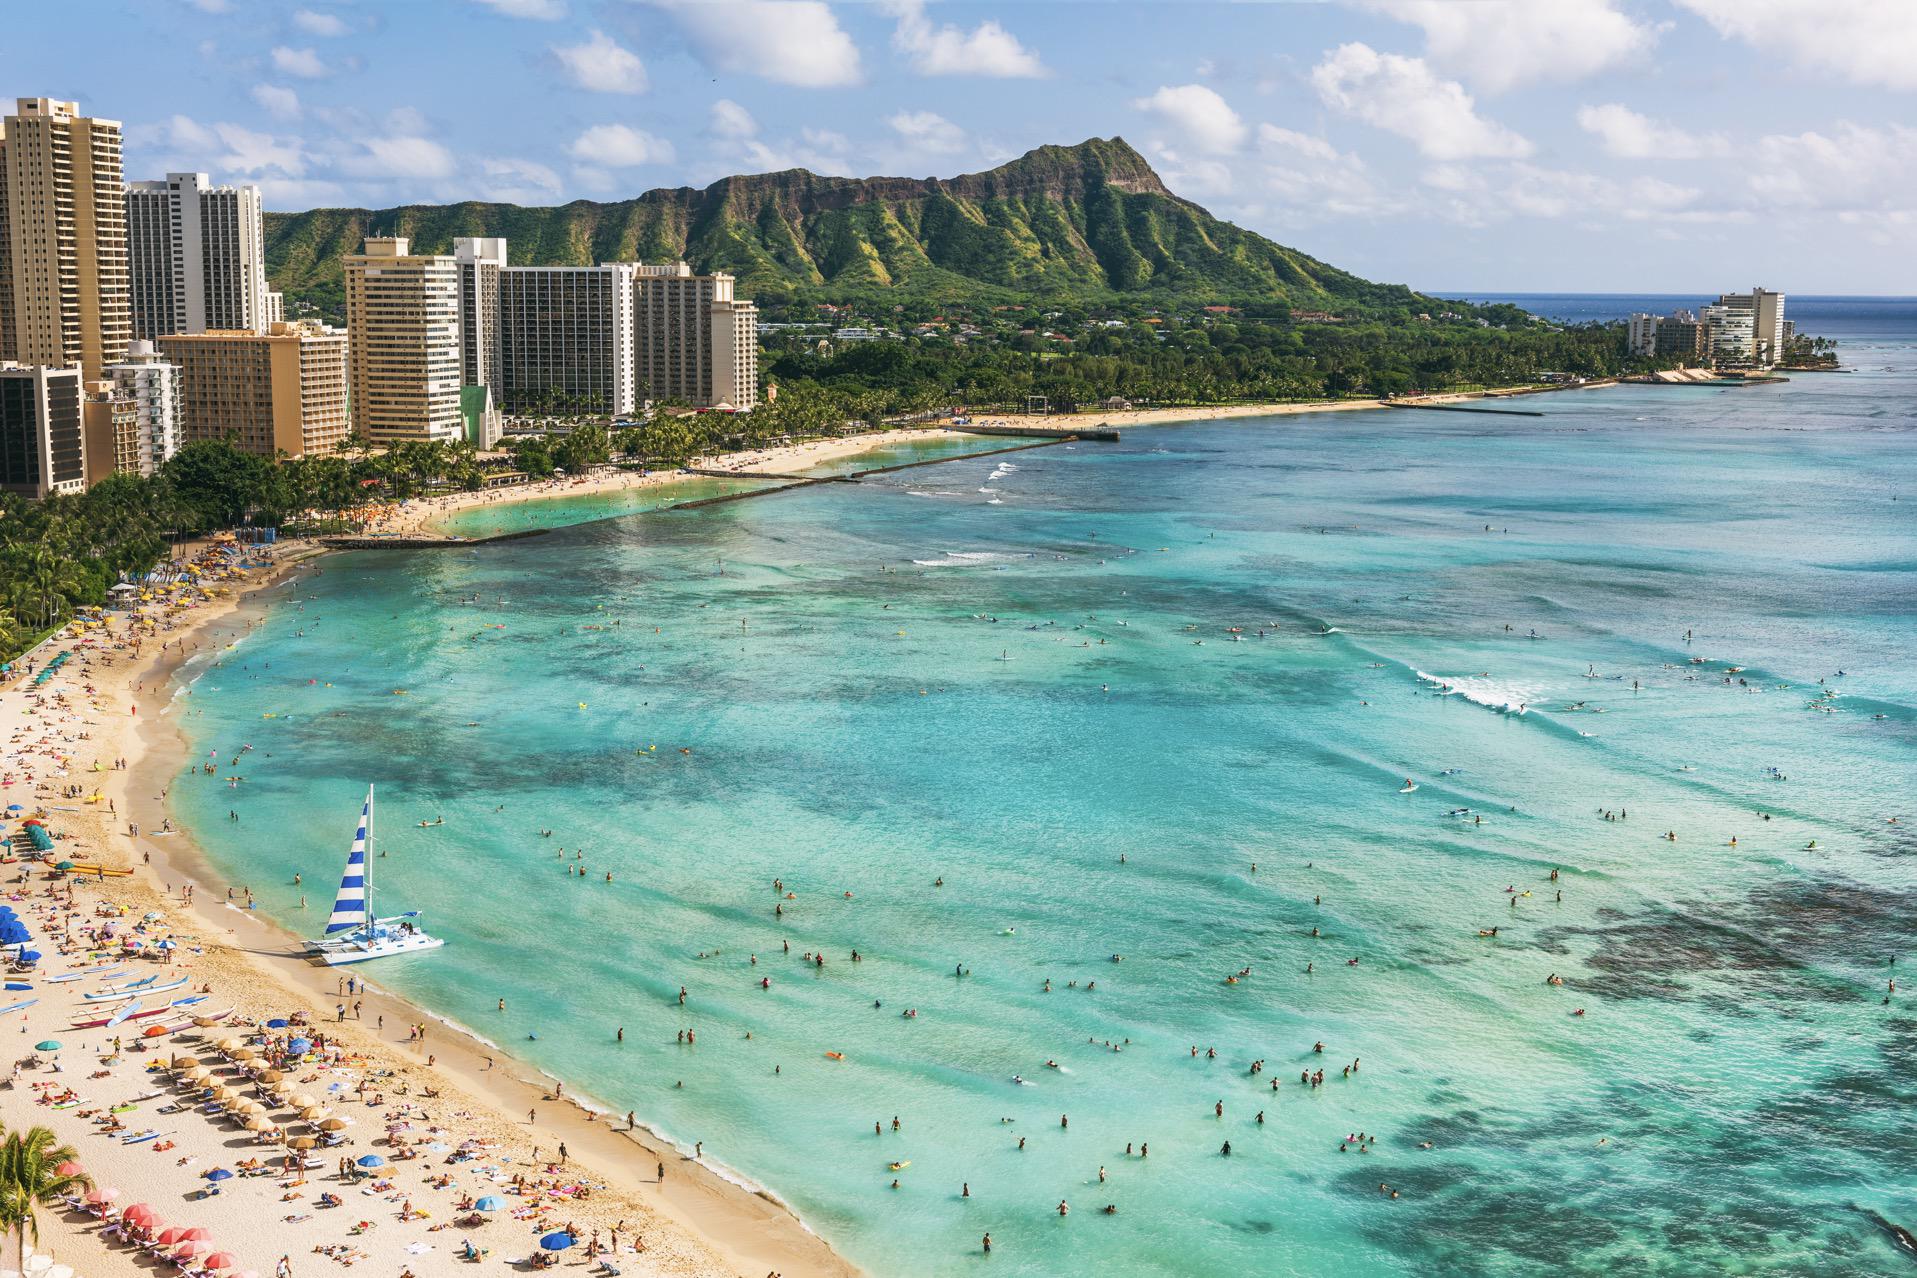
(1064, 741)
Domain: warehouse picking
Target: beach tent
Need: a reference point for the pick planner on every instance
(489, 1203)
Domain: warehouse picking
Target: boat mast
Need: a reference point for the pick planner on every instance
(367, 924)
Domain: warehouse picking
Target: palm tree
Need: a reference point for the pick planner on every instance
(29, 1180)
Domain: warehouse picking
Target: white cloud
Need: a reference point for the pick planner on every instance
(515, 181)
(796, 42)
(927, 132)
(1204, 119)
(1631, 136)
(730, 120)
(304, 63)
(619, 146)
(399, 157)
(1311, 182)
(543, 10)
(1500, 44)
(602, 65)
(1847, 166)
(277, 101)
(1404, 96)
(988, 49)
(1271, 136)
(319, 24)
(1864, 41)
(186, 144)
(212, 6)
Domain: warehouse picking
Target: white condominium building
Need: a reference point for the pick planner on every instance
(480, 261)
(150, 384)
(197, 255)
(565, 340)
(402, 319)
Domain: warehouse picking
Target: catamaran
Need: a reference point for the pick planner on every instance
(353, 933)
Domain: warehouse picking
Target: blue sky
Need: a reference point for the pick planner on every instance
(1605, 145)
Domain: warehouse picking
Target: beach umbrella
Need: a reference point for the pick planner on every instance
(171, 1236)
(302, 1142)
(222, 1260)
(371, 1160)
(243, 1054)
(100, 1197)
(333, 1125)
(191, 1248)
(68, 1168)
(206, 1022)
(39, 1264)
(271, 1076)
(185, 1062)
(50, 1045)
(142, 1215)
(300, 1046)
(218, 1174)
(313, 1113)
(259, 1125)
(278, 1022)
(558, 1240)
(300, 1100)
(489, 1203)
(229, 1044)
(30, 956)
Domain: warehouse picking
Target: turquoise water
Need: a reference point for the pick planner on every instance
(994, 674)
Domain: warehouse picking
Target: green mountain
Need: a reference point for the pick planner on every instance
(1085, 222)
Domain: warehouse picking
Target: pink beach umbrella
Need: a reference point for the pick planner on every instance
(171, 1234)
(101, 1197)
(68, 1168)
(191, 1248)
(221, 1260)
(142, 1215)
(197, 1233)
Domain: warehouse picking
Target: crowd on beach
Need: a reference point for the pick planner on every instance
(224, 1122)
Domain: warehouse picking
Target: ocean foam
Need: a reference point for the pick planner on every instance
(972, 558)
(1505, 698)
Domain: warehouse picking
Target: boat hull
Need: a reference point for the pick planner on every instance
(340, 953)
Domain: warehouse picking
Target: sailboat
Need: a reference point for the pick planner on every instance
(354, 933)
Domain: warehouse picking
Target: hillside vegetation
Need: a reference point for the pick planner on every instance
(1085, 222)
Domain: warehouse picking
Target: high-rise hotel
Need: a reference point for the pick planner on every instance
(402, 324)
(197, 255)
(63, 250)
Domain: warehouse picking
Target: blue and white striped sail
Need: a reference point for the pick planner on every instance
(349, 909)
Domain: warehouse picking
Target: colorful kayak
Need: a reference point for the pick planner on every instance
(176, 1007)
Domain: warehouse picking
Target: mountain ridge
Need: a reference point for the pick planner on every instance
(1087, 222)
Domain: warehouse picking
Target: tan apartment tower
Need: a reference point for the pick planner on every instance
(692, 339)
(402, 320)
(281, 391)
(63, 228)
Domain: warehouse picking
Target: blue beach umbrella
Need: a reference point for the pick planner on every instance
(278, 1022)
(12, 932)
(489, 1203)
(30, 956)
(219, 1173)
(300, 1046)
(559, 1240)
(372, 1160)
(51, 1045)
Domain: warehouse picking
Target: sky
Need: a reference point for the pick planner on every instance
(1680, 146)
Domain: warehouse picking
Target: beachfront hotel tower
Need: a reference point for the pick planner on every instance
(565, 339)
(693, 339)
(402, 321)
(278, 392)
(196, 255)
(63, 250)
